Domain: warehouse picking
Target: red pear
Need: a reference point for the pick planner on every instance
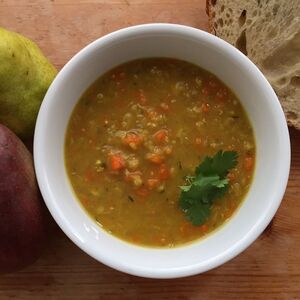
(22, 228)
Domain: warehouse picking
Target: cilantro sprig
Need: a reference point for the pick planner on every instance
(208, 184)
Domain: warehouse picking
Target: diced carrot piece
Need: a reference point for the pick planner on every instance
(155, 158)
(164, 172)
(152, 183)
(160, 136)
(143, 192)
(249, 163)
(205, 107)
(135, 238)
(85, 202)
(117, 162)
(203, 227)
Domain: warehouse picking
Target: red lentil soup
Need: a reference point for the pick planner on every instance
(134, 135)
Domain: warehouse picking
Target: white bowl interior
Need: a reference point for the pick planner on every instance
(237, 72)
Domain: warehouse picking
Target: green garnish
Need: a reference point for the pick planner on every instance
(208, 184)
(130, 198)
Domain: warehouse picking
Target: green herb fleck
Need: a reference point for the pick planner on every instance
(208, 184)
(130, 198)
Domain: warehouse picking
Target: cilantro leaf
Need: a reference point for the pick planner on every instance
(198, 214)
(210, 183)
(185, 188)
(220, 164)
(221, 192)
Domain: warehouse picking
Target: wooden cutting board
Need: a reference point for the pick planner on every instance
(269, 269)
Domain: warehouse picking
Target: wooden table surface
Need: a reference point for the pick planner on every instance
(269, 269)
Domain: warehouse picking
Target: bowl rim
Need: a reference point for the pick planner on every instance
(170, 272)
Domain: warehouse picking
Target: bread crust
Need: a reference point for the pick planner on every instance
(268, 32)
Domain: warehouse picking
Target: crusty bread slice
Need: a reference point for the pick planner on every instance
(268, 32)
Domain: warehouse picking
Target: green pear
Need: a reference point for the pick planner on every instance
(25, 75)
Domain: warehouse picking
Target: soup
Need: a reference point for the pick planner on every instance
(138, 131)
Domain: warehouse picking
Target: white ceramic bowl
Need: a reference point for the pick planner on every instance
(237, 72)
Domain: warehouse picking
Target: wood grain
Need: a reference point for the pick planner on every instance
(269, 269)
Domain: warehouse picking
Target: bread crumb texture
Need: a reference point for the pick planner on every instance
(268, 32)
